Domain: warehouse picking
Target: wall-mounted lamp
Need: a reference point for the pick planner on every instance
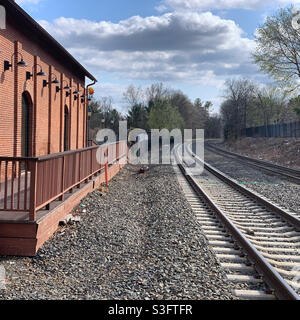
(76, 94)
(41, 73)
(21, 63)
(82, 98)
(67, 87)
(55, 81)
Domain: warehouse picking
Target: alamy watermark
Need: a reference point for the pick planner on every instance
(2, 278)
(296, 18)
(2, 17)
(160, 150)
(296, 272)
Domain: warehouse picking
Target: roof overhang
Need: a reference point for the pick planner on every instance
(39, 34)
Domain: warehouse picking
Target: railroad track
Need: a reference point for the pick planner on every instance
(256, 242)
(288, 173)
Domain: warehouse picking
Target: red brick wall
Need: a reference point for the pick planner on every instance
(48, 106)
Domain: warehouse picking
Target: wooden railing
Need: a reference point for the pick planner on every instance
(30, 184)
(92, 143)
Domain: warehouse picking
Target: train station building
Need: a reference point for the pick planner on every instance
(44, 148)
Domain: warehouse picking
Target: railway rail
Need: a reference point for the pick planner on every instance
(288, 173)
(256, 242)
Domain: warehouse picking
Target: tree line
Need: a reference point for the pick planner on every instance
(156, 107)
(277, 53)
(248, 104)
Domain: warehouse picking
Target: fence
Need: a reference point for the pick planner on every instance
(30, 184)
(279, 130)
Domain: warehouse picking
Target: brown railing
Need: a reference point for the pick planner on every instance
(30, 184)
(92, 143)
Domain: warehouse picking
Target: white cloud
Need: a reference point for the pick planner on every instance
(113, 90)
(185, 45)
(189, 47)
(161, 8)
(224, 4)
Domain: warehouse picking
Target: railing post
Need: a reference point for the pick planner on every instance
(79, 169)
(117, 148)
(63, 179)
(106, 166)
(33, 189)
(91, 164)
(106, 174)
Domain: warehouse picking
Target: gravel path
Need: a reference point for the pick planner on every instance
(279, 190)
(137, 240)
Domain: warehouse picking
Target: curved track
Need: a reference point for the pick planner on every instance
(250, 235)
(288, 173)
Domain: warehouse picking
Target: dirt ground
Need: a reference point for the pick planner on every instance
(282, 151)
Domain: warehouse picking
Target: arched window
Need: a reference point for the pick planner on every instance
(26, 131)
(67, 130)
(2, 18)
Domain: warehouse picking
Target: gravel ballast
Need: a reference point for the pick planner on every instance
(278, 189)
(138, 239)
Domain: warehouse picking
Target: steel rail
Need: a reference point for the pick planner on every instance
(292, 174)
(271, 206)
(281, 288)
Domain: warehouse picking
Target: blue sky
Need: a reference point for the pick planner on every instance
(190, 45)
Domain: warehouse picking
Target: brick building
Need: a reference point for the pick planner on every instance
(42, 103)
(46, 165)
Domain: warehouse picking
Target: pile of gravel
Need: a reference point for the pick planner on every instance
(137, 240)
(278, 189)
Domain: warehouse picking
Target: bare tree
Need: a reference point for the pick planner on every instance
(229, 118)
(240, 93)
(157, 91)
(213, 128)
(271, 103)
(105, 104)
(133, 96)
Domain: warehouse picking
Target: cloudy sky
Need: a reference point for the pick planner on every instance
(191, 45)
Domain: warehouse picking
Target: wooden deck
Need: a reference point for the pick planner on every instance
(23, 232)
(12, 215)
